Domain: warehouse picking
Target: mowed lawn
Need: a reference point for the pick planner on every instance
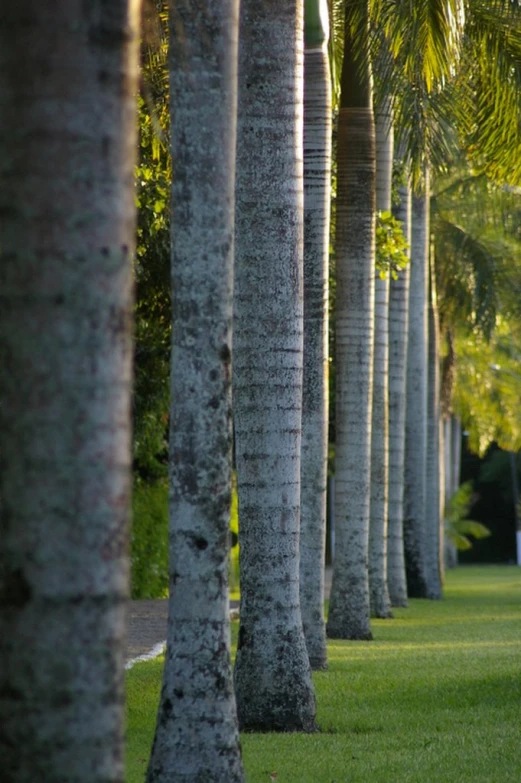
(435, 698)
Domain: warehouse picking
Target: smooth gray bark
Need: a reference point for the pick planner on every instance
(416, 401)
(398, 339)
(349, 611)
(447, 485)
(378, 521)
(315, 396)
(452, 477)
(68, 80)
(433, 498)
(272, 672)
(196, 735)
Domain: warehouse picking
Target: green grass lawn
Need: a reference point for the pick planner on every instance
(435, 698)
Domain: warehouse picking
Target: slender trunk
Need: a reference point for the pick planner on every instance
(433, 505)
(515, 498)
(447, 485)
(447, 383)
(68, 78)
(442, 495)
(379, 593)
(398, 330)
(416, 401)
(454, 468)
(349, 612)
(272, 672)
(315, 396)
(196, 732)
(456, 453)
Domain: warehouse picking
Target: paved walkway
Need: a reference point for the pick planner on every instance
(147, 622)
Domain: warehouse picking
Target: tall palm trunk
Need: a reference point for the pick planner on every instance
(398, 331)
(68, 78)
(272, 673)
(349, 615)
(315, 396)
(379, 593)
(196, 733)
(433, 500)
(452, 477)
(450, 481)
(416, 401)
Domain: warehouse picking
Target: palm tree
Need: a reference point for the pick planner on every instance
(196, 734)
(355, 263)
(67, 130)
(378, 523)
(479, 93)
(477, 261)
(317, 199)
(415, 464)
(398, 331)
(433, 486)
(272, 672)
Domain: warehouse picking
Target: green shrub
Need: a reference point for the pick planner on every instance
(149, 540)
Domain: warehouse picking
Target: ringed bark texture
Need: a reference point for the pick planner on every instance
(349, 612)
(67, 134)
(416, 402)
(197, 732)
(315, 397)
(379, 593)
(433, 500)
(398, 332)
(272, 672)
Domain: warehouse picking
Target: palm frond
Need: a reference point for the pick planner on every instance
(489, 99)
(336, 46)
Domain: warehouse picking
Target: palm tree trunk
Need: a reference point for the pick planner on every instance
(398, 331)
(349, 613)
(433, 500)
(315, 396)
(453, 468)
(379, 593)
(272, 672)
(196, 732)
(416, 401)
(450, 557)
(68, 80)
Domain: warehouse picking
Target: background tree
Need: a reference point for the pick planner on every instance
(153, 323)
(433, 486)
(398, 331)
(66, 236)
(272, 673)
(315, 394)
(378, 520)
(415, 461)
(355, 269)
(196, 732)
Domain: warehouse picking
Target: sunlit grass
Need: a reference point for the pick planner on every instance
(435, 698)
